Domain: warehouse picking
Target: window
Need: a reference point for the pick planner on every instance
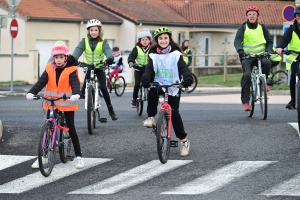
(181, 37)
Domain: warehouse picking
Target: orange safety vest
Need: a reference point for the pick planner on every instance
(63, 87)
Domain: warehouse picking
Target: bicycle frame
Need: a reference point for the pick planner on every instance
(165, 107)
(94, 82)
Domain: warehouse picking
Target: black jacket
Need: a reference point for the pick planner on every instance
(43, 80)
(239, 37)
(182, 68)
(287, 37)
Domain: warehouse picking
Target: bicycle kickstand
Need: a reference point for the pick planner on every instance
(102, 120)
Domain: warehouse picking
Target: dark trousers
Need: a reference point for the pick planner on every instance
(293, 81)
(174, 103)
(247, 65)
(137, 81)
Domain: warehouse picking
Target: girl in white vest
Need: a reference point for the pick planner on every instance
(166, 66)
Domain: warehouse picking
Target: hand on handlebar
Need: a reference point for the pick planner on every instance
(30, 96)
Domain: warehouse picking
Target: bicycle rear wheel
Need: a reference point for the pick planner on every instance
(46, 155)
(140, 102)
(162, 140)
(278, 78)
(120, 87)
(263, 98)
(251, 100)
(91, 113)
(193, 86)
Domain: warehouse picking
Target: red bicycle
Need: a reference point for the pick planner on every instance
(163, 128)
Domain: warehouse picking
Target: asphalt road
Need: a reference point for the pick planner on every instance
(232, 156)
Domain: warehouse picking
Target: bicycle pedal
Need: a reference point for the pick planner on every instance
(103, 120)
(174, 143)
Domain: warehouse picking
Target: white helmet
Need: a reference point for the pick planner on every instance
(93, 22)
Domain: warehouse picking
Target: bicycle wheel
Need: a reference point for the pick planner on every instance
(46, 155)
(193, 86)
(91, 113)
(278, 78)
(251, 100)
(120, 87)
(140, 102)
(263, 98)
(162, 140)
(298, 104)
(65, 143)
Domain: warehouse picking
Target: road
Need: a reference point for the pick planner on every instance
(232, 156)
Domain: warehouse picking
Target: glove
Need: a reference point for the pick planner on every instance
(131, 64)
(29, 96)
(146, 83)
(241, 54)
(109, 61)
(74, 97)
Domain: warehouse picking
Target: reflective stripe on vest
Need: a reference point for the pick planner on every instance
(93, 56)
(63, 87)
(254, 40)
(275, 57)
(186, 58)
(142, 57)
(295, 46)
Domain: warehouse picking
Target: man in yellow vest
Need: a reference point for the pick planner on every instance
(252, 37)
(187, 53)
(291, 39)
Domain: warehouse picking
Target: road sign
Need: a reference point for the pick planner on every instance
(288, 13)
(14, 28)
(9, 2)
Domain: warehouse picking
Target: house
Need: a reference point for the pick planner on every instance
(209, 24)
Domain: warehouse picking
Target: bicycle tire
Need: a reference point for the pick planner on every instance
(45, 153)
(91, 114)
(140, 102)
(263, 99)
(298, 105)
(193, 86)
(278, 78)
(251, 100)
(120, 88)
(163, 142)
(65, 143)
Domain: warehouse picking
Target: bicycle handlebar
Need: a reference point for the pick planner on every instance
(64, 97)
(255, 55)
(288, 52)
(156, 84)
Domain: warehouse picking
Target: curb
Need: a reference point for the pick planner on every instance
(1, 130)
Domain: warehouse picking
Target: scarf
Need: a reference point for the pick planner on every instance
(163, 50)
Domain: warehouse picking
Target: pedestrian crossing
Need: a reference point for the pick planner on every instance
(205, 184)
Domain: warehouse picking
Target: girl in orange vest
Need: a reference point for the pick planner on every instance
(61, 77)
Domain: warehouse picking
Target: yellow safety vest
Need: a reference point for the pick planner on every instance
(93, 56)
(295, 46)
(142, 57)
(186, 58)
(275, 57)
(254, 40)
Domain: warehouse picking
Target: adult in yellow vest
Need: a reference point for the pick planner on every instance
(95, 49)
(252, 37)
(61, 77)
(187, 53)
(291, 39)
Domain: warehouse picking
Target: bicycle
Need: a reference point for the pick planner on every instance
(92, 100)
(54, 133)
(192, 87)
(277, 77)
(258, 87)
(163, 127)
(141, 98)
(111, 84)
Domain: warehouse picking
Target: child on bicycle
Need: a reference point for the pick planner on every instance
(95, 48)
(166, 66)
(252, 37)
(138, 59)
(118, 65)
(61, 77)
(291, 39)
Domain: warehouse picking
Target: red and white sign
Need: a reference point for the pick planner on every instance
(14, 28)
(288, 13)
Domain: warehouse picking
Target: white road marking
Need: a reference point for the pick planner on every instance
(295, 126)
(7, 161)
(219, 178)
(36, 179)
(131, 177)
(287, 188)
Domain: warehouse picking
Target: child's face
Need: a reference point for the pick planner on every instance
(145, 41)
(116, 53)
(94, 31)
(59, 60)
(163, 40)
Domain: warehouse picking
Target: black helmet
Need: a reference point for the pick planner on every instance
(116, 49)
(297, 11)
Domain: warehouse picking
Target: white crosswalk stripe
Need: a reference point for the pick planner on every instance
(60, 171)
(10, 160)
(219, 178)
(131, 177)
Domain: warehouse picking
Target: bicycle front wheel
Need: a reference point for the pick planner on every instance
(263, 98)
(46, 154)
(278, 78)
(120, 87)
(140, 102)
(251, 100)
(91, 113)
(193, 86)
(162, 140)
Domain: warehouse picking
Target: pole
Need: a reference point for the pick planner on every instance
(12, 50)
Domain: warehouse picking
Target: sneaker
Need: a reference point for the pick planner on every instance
(80, 162)
(149, 122)
(35, 165)
(133, 104)
(184, 148)
(117, 82)
(290, 105)
(268, 88)
(246, 107)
